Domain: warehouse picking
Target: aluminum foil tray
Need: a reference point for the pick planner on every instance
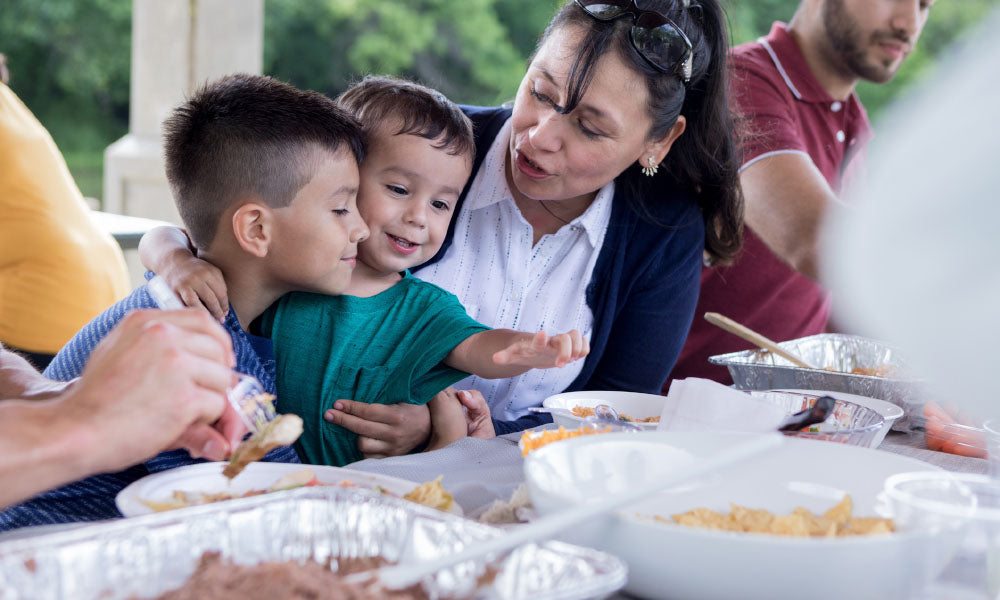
(146, 556)
(761, 370)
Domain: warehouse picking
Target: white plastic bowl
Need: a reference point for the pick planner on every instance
(633, 404)
(671, 561)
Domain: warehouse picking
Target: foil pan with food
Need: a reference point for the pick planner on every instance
(846, 363)
(147, 556)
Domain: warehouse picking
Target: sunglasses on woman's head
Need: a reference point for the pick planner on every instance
(657, 39)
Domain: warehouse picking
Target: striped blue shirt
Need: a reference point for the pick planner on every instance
(93, 498)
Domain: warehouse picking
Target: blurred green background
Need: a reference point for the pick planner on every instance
(69, 59)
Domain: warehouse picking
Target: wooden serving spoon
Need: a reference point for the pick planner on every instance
(755, 338)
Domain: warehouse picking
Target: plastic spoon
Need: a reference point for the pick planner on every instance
(818, 413)
(603, 415)
(724, 322)
(405, 575)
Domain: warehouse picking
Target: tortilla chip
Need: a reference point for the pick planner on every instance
(841, 513)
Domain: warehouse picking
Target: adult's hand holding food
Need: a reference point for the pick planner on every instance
(157, 381)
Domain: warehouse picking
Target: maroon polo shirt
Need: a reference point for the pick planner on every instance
(785, 110)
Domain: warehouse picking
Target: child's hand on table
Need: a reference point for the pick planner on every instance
(544, 352)
(456, 414)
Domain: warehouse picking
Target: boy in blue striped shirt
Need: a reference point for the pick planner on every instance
(265, 178)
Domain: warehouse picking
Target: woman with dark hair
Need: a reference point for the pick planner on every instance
(592, 205)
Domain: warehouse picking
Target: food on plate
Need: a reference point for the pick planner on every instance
(587, 411)
(533, 440)
(431, 494)
(283, 431)
(182, 499)
(221, 579)
(505, 512)
(953, 434)
(882, 370)
(835, 522)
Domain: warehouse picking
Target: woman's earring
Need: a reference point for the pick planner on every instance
(652, 168)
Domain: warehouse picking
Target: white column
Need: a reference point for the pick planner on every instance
(177, 45)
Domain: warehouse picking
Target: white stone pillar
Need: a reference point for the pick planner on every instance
(177, 45)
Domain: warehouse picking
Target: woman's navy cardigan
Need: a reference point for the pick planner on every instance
(645, 282)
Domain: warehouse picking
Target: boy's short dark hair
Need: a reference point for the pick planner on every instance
(249, 134)
(422, 111)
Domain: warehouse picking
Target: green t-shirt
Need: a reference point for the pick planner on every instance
(386, 349)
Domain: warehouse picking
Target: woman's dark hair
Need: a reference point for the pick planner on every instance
(704, 159)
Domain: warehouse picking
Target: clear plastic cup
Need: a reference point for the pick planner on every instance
(252, 402)
(964, 512)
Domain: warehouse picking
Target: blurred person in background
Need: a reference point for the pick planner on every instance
(919, 267)
(805, 134)
(58, 270)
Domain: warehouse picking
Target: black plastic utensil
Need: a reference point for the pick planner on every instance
(819, 412)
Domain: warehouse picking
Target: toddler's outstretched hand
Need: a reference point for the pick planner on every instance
(543, 352)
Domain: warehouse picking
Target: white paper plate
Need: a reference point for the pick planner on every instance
(208, 478)
(634, 404)
(670, 561)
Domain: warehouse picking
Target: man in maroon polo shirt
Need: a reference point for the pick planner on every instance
(805, 137)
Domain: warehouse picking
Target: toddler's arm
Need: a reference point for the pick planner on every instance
(501, 353)
(167, 251)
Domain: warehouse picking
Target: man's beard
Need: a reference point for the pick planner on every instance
(847, 40)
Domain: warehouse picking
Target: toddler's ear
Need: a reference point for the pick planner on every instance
(253, 228)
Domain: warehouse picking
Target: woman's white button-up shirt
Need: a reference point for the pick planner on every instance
(506, 281)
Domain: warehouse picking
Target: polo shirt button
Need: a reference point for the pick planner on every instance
(836, 106)
(840, 136)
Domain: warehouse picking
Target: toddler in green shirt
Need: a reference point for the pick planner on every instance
(392, 337)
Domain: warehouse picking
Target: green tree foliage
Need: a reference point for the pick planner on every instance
(462, 47)
(69, 59)
(69, 62)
